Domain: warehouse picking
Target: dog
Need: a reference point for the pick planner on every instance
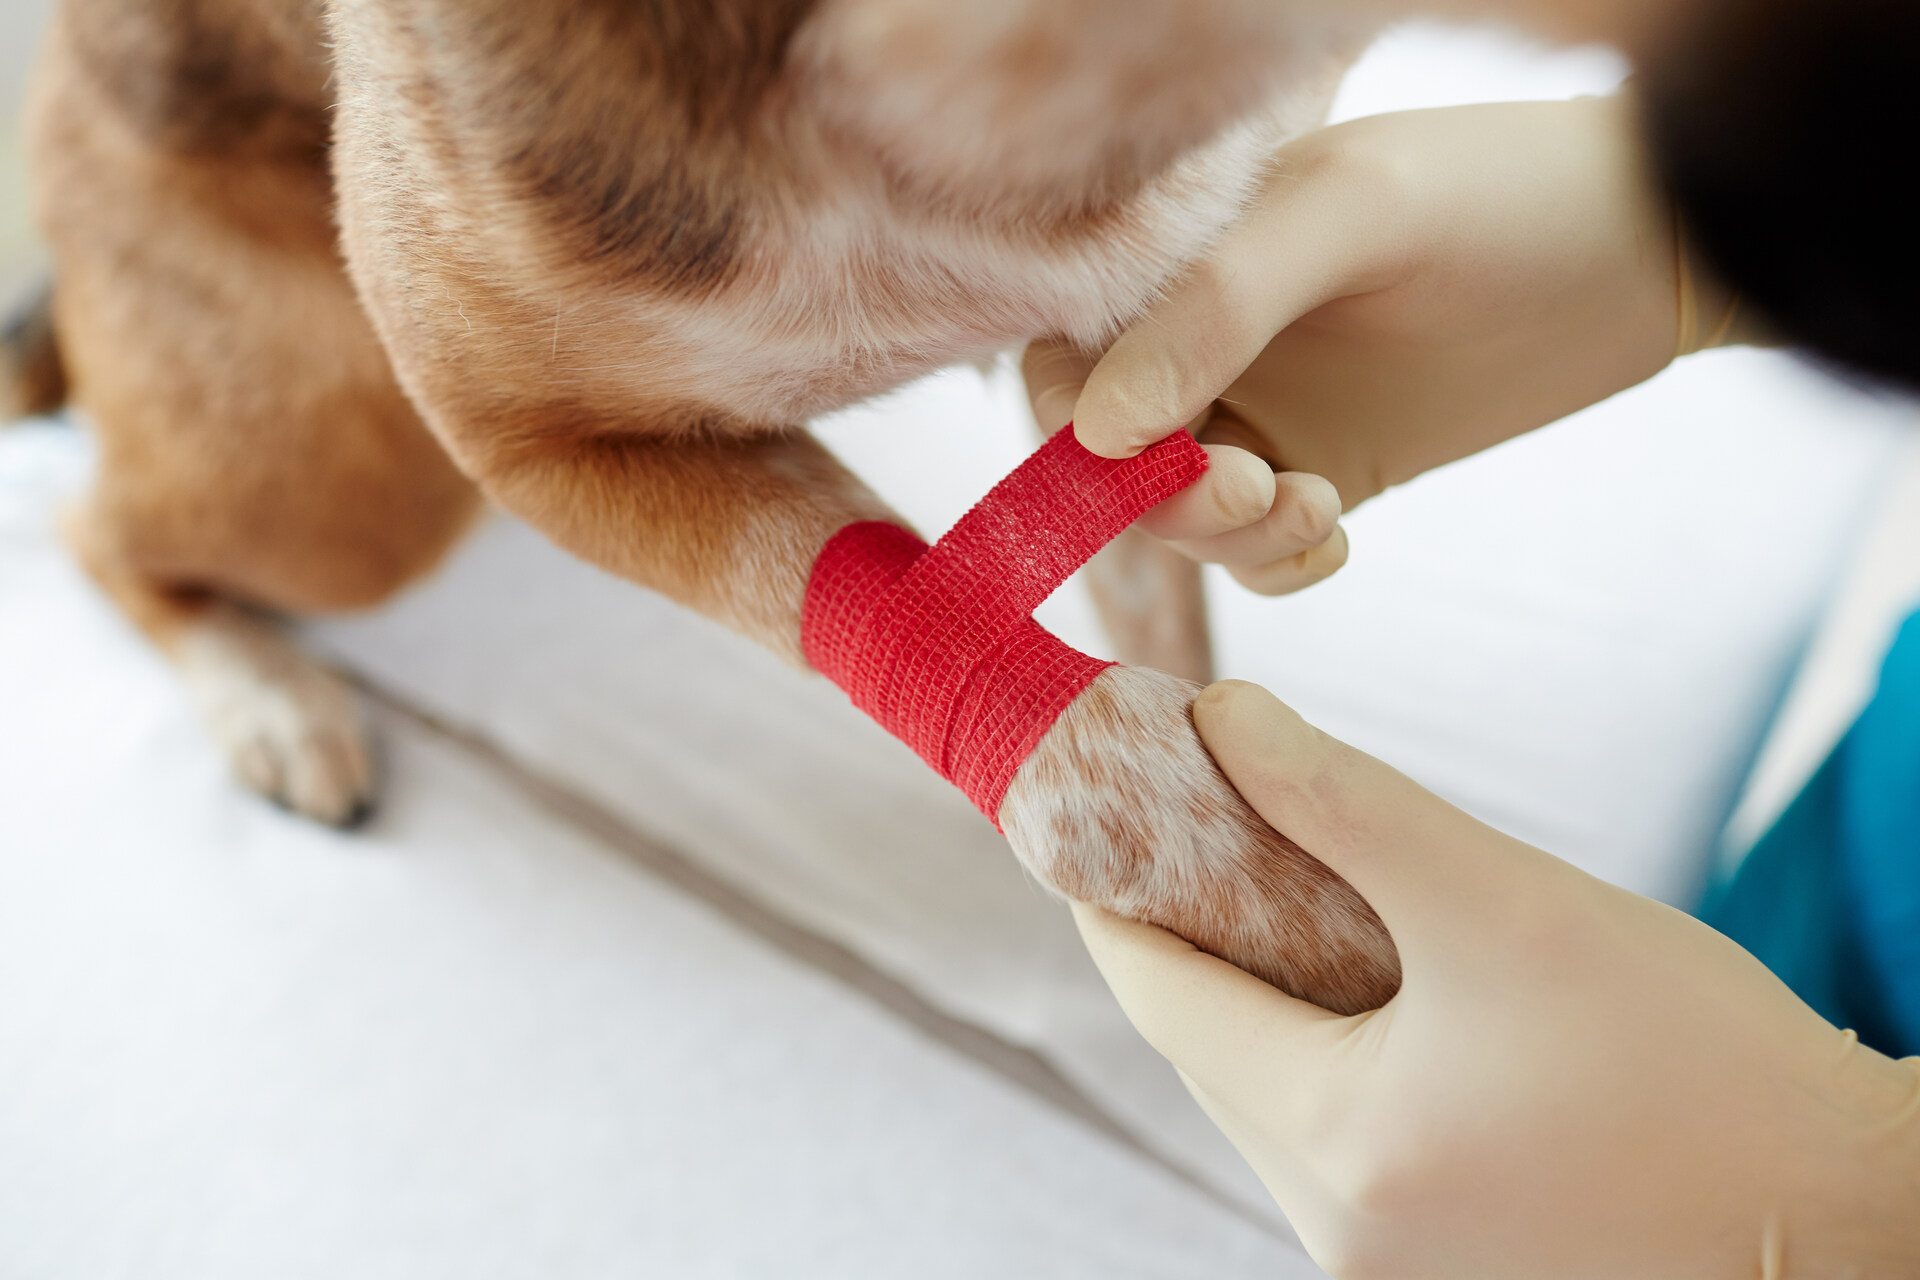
(331, 274)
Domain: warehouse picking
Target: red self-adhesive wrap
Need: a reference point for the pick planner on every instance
(938, 643)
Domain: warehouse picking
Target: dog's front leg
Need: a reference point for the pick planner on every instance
(729, 527)
(1118, 804)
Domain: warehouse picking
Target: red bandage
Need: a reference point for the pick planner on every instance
(937, 643)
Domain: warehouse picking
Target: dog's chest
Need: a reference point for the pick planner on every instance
(823, 231)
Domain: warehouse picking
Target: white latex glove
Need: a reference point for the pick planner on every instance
(1573, 1081)
(1409, 289)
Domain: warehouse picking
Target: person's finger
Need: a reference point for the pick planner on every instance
(1236, 489)
(1295, 572)
(1054, 371)
(1445, 884)
(1237, 1037)
(1236, 492)
(1195, 342)
(1188, 349)
(1303, 513)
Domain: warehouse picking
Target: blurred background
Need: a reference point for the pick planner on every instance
(661, 960)
(20, 22)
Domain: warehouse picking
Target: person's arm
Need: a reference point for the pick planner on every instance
(1409, 289)
(1573, 1081)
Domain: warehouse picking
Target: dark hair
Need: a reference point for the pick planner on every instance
(1787, 132)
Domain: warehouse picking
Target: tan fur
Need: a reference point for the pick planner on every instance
(616, 255)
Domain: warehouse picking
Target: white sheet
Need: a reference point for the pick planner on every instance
(1579, 636)
(161, 928)
(467, 1043)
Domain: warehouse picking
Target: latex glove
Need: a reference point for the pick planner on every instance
(1573, 1081)
(1409, 289)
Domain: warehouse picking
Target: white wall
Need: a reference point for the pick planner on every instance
(19, 31)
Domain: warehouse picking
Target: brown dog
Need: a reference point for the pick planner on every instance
(601, 260)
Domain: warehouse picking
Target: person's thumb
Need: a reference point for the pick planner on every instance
(1446, 885)
(1236, 492)
(1230, 1033)
(1293, 252)
(1168, 368)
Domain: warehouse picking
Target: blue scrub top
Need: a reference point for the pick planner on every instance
(1829, 898)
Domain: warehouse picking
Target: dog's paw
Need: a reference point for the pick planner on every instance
(293, 730)
(1121, 806)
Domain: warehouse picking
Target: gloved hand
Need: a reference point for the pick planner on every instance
(1573, 1081)
(1410, 289)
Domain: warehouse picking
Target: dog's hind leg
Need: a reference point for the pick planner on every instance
(1151, 599)
(1153, 604)
(291, 729)
(256, 456)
